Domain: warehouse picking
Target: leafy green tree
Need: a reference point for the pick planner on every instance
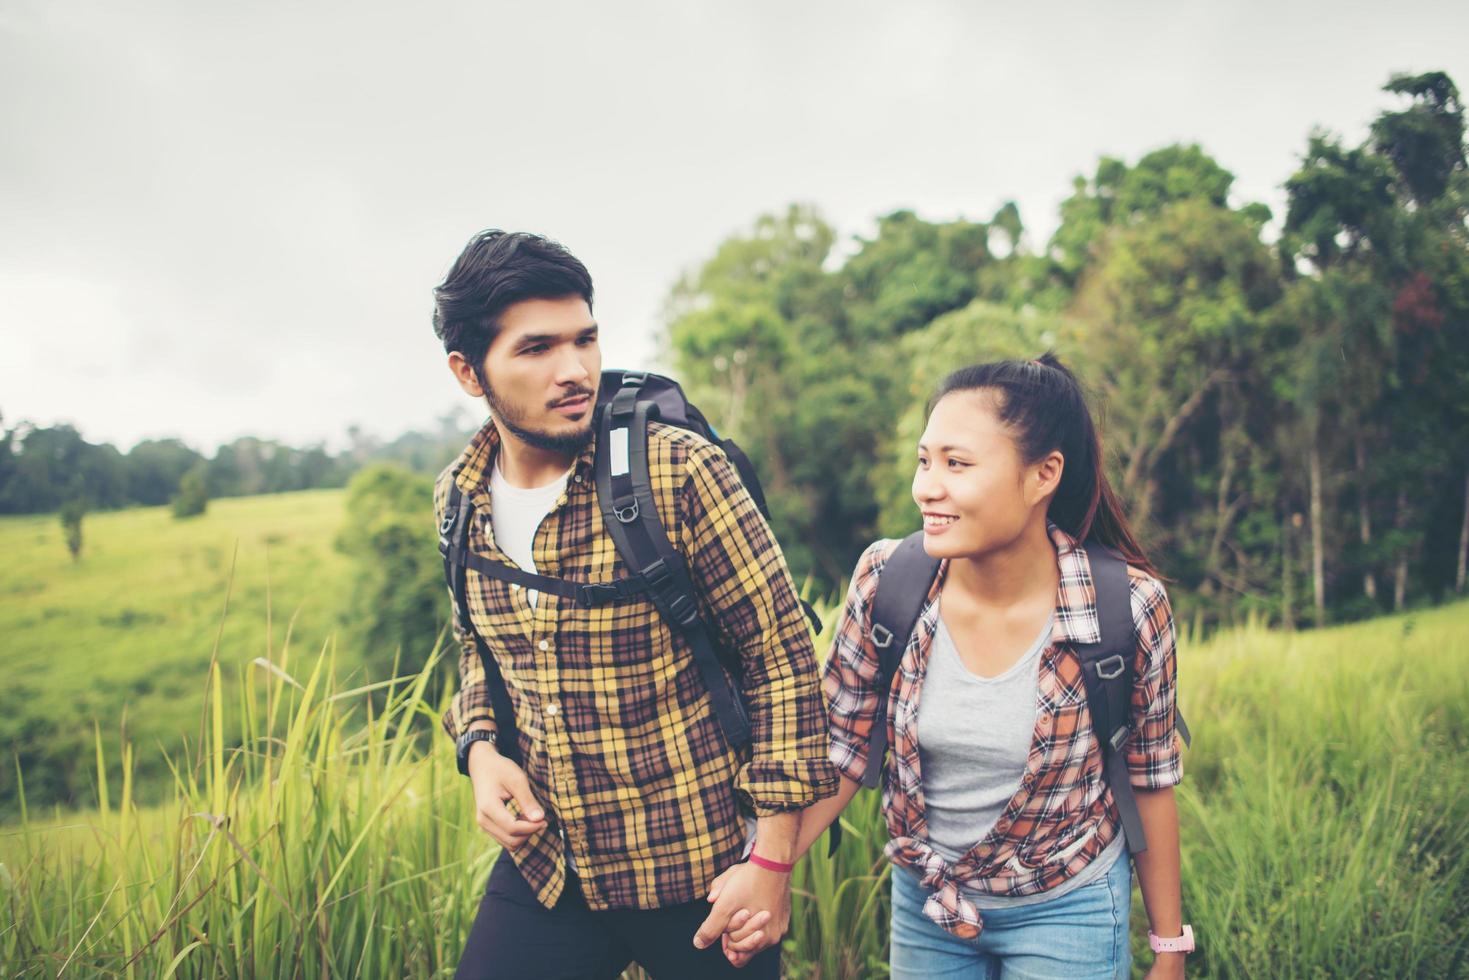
(72, 513)
(1119, 196)
(1171, 313)
(193, 495)
(154, 469)
(397, 604)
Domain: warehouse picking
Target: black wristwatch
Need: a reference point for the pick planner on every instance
(467, 740)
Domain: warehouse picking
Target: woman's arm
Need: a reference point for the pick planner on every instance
(1155, 765)
(823, 813)
(1158, 874)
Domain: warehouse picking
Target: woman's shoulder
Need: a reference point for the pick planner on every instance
(869, 566)
(1151, 611)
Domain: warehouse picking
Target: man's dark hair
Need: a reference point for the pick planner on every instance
(496, 270)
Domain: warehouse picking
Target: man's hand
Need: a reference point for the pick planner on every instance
(752, 909)
(497, 780)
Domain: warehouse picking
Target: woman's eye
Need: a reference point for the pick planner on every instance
(956, 464)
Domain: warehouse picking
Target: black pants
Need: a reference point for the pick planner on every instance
(515, 936)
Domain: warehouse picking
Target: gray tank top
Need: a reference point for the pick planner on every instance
(974, 737)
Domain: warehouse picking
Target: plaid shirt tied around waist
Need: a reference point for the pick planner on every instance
(1062, 816)
(620, 740)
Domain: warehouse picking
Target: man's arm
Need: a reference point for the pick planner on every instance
(741, 576)
(495, 779)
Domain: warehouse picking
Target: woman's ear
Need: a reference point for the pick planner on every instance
(1045, 476)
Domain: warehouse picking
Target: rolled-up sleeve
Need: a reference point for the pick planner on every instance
(852, 667)
(744, 585)
(1154, 757)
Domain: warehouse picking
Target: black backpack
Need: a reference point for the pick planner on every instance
(1106, 666)
(627, 402)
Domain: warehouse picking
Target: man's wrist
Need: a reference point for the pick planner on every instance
(476, 735)
(779, 867)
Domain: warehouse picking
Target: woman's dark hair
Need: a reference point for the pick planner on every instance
(1043, 404)
(496, 270)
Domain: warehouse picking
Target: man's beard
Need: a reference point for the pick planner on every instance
(570, 443)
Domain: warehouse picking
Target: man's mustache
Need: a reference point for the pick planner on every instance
(579, 393)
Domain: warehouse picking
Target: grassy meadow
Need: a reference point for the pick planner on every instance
(312, 833)
(123, 636)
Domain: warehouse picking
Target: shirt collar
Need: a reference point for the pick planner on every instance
(471, 470)
(1076, 619)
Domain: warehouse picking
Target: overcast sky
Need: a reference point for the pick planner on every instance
(226, 219)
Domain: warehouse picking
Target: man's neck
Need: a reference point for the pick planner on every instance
(528, 467)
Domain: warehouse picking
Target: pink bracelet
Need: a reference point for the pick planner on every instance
(769, 865)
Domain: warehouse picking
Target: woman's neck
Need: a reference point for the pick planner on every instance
(1024, 569)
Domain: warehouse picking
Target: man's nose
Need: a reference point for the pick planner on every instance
(570, 370)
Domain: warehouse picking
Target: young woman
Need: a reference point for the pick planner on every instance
(1009, 857)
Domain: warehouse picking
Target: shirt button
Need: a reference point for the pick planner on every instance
(577, 478)
(544, 645)
(553, 709)
(1045, 717)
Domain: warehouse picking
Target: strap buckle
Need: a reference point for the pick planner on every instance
(882, 637)
(447, 524)
(1119, 738)
(595, 594)
(1111, 668)
(656, 575)
(626, 514)
(684, 610)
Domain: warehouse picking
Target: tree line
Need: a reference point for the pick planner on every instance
(47, 468)
(1284, 405)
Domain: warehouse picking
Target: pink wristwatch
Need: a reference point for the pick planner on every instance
(1178, 944)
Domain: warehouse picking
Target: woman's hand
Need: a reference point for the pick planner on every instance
(1167, 966)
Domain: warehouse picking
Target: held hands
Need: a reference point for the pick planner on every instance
(497, 780)
(752, 910)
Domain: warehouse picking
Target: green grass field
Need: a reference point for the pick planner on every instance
(122, 637)
(1325, 812)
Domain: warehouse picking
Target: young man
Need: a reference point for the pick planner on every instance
(630, 800)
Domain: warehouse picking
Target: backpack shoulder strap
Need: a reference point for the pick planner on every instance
(902, 590)
(454, 542)
(630, 514)
(1107, 671)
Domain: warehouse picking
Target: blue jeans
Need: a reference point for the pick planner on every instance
(1080, 936)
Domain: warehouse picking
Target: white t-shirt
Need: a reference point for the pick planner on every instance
(516, 514)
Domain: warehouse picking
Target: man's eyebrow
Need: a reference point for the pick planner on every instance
(546, 338)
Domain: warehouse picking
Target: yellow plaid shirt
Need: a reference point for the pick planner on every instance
(619, 736)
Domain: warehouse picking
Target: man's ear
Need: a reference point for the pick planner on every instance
(463, 372)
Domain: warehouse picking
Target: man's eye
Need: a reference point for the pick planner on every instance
(587, 341)
(535, 349)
